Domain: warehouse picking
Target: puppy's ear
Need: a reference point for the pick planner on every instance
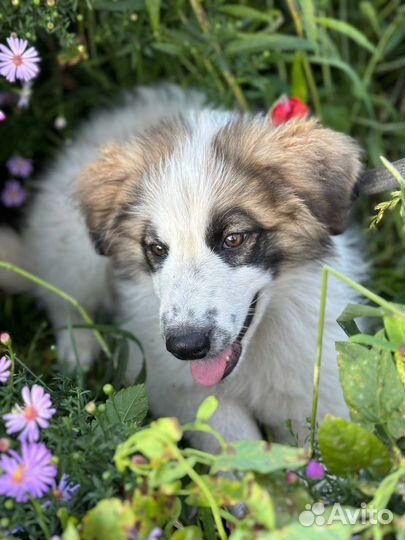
(320, 165)
(103, 188)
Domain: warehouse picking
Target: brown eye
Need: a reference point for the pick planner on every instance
(234, 240)
(159, 250)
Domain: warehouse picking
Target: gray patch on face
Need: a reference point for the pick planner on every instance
(233, 318)
(175, 311)
(191, 314)
(221, 339)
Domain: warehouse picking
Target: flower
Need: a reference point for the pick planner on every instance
(25, 95)
(28, 473)
(4, 444)
(5, 364)
(3, 116)
(315, 470)
(19, 166)
(60, 122)
(291, 477)
(65, 490)
(18, 62)
(13, 194)
(4, 338)
(287, 108)
(37, 411)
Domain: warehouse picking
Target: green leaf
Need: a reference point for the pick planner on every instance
(251, 43)
(295, 531)
(386, 489)
(298, 80)
(187, 533)
(347, 448)
(169, 48)
(378, 343)
(371, 386)
(395, 328)
(245, 12)
(308, 13)
(153, 9)
(128, 406)
(111, 518)
(348, 30)
(118, 5)
(354, 311)
(207, 408)
(359, 88)
(259, 456)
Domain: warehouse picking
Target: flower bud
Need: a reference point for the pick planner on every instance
(91, 407)
(108, 389)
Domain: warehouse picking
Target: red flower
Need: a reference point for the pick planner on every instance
(287, 108)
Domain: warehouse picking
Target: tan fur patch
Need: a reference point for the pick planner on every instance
(109, 183)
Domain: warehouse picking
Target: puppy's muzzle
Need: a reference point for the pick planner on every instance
(189, 344)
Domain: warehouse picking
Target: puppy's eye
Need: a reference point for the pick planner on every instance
(234, 240)
(159, 250)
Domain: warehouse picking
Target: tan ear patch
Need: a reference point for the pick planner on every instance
(112, 183)
(317, 165)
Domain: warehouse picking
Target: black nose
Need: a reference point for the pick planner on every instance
(190, 345)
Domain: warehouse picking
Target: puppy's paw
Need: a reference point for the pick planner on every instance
(77, 348)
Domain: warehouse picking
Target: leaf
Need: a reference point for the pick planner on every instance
(298, 81)
(187, 533)
(359, 88)
(308, 13)
(128, 406)
(295, 531)
(111, 518)
(386, 489)
(118, 5)
(245, 12)
(347, 448)
(153, 9)
(259, 456)
(251, 43)
(348, 30)
(169, 48)
(207, 409)
(371, 386)
(355, 311)
(395, 328)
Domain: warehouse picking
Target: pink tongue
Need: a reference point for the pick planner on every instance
(210, 372)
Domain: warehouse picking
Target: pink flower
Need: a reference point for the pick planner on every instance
(30, 473)
(315, 470)
(37, 411)
(13, 194)
(4, 338)
(19, 166)
(3, 116)
(287, 108)
(63, 491)
(18, 62)
(5, 364)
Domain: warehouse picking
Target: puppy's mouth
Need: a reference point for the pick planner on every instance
(211, 371)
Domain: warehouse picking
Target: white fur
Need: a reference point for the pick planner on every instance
(273, 379)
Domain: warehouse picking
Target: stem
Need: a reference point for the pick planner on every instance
(227, 74)
(40, 517)
(72, 301)
(307, 66)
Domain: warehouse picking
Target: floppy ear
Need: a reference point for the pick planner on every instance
(321, 166)
(103, 188)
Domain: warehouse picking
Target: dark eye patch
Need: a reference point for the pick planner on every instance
(258, 249)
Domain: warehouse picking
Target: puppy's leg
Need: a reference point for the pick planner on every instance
(232, 420)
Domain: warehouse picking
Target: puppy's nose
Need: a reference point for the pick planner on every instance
(189, 345)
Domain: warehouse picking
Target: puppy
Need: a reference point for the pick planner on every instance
(205, 232)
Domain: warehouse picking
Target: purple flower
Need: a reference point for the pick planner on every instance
(37, 411)
(3, 116)
(5, 364)
(28, 473)
(18, 62)
(315, 470)
(13, 194)
(19, 166)
(63, 491)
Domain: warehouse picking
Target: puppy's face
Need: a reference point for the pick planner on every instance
(215, 209)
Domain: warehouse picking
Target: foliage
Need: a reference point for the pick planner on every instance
(139, 479)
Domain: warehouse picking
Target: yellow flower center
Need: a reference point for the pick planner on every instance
(18, 475)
